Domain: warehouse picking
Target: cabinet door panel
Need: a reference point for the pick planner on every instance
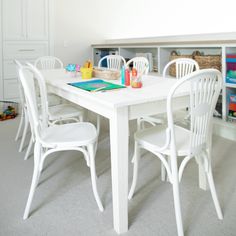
(13, 19)
(24, 50)
(11, 89)
(9, 69)
(37, 19)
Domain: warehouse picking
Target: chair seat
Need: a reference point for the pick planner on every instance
(64, 111)
(155, 137)
(69, 135)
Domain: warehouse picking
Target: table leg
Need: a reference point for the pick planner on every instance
(119, 131)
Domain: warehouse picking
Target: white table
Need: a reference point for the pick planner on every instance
(119, 106)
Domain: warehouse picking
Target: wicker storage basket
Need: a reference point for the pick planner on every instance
(172, 70)
(209, 61)
(204, 62)
(106, 73)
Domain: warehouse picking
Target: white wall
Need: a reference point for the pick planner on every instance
(80, 23)
(1, 80)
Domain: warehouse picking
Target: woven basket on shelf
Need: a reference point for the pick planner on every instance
(106, 73)
(204, 62)
(209, 61)
(172, 69)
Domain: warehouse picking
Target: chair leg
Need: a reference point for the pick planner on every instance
(98, 124)
(93, 176)
(213, 193)
(24, 133)
(163, 173)
(135, 170)
(20, 125)
(81, 118)
(35, 179)
(175, 185)
(29, 148)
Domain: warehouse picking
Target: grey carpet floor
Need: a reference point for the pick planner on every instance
(64, 204)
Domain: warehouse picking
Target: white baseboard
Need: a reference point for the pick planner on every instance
(224, 129)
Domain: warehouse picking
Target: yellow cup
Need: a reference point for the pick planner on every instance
(86, 72)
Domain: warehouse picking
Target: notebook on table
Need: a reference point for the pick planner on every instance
(96, 85)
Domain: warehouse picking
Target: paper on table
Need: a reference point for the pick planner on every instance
(96, 85)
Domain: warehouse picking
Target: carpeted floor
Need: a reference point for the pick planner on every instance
(64, 204)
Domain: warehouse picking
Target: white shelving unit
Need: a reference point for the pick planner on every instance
(161, 47)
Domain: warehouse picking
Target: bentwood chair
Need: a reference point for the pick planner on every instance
(114, 62)
(49, 63)
(183, 67)
(80, 136)
(57, 114)
(141, 64)
(174, 141)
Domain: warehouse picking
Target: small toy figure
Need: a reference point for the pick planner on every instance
(77, 68)
(8, 113)
(71, 67)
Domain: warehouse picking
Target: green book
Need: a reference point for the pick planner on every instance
(96, 85)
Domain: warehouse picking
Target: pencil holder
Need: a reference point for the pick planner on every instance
(86, 72)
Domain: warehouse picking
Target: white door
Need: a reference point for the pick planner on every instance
(37, 19)
(13, 19)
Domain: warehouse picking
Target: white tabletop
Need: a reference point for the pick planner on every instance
(154, 88)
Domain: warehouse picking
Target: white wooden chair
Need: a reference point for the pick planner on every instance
(48, 62)
(175, 141)
(57, 114)
(81, 136)
(141, 64)
(24, 118)
(114, 62)
(183, 66)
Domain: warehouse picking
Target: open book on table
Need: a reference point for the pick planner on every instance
(96, 85)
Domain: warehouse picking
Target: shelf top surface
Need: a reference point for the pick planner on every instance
(216, 38)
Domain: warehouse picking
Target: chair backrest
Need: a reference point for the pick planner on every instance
(48, 62)
(21, 92)
(141, 64)
(113, 62)
(183, 66)
(37, 107)
(204, 89)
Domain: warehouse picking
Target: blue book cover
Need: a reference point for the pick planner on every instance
(96, 85)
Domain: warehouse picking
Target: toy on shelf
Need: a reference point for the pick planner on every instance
(8, 110)
(231, 68)
(232, 106)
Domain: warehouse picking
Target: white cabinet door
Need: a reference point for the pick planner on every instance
(37, 19)
(11, 89)
(25, 19)
(13, 19)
